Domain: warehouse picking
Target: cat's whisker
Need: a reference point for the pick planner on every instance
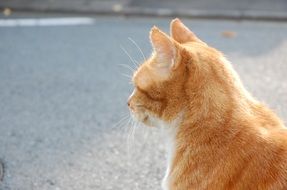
(123, 123)
(128, 148)
(145, 135)
(127, 66)
(137, 47)
(136, 64)
(131, 121)
(128, 127)
(126, 75)
(131, 132)
(130, 141)
(120, 122)
(128, 130)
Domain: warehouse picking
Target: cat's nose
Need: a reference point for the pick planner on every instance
(129, 102)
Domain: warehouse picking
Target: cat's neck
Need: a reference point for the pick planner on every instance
(217, 99)
(202, 125)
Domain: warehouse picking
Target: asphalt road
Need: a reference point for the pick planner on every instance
(62, 95)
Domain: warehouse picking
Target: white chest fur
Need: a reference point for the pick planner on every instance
(170, 148)
(169, 129)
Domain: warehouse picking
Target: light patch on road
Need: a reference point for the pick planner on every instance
(46, 22)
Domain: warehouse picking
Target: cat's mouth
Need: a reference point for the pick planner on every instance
(141, 117)
(145, 119)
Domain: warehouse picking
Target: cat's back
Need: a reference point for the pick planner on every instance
(266, 167)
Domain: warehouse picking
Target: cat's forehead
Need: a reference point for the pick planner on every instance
(143, 77)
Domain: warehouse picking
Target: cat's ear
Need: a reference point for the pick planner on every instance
(165, 48)
(181, 33)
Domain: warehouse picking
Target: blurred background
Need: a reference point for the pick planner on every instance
(64, 81)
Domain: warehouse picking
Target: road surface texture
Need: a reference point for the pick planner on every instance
(63, 95)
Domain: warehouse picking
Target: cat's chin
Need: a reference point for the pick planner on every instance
(144, 119)
(138, 117)
(151, 121)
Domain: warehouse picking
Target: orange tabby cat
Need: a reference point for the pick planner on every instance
(220, 136)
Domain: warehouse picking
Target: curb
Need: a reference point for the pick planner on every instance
(151, 12)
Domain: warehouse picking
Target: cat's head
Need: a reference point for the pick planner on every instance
(164, 82)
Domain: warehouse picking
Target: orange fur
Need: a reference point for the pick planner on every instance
(223, 138)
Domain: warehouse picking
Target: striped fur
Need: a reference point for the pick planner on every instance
(223, 138)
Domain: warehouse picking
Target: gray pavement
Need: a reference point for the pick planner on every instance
(1, 171)
(62, 96)
(227, 9)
